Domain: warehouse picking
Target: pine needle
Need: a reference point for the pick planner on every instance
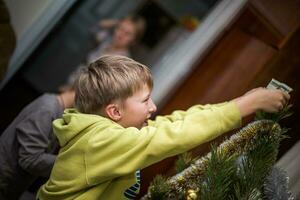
(184, 160)
(276, 117)
(159, 188)
(254, 166)
(217, 179)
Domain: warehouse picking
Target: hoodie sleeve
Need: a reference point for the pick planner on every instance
(118, 151)
(180, 114)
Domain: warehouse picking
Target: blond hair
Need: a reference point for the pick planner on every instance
(107, 79)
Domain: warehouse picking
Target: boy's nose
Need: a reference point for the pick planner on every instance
(152, 107)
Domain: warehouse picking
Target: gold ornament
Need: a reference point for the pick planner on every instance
(191, 194)
(180, 178)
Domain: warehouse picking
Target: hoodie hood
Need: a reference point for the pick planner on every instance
(71, 124)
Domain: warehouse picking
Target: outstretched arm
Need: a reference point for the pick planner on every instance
(268, 100)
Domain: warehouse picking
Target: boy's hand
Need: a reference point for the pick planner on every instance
(268, 100)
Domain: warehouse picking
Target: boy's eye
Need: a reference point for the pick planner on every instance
(146, 100)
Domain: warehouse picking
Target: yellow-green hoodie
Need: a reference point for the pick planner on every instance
(99, 158)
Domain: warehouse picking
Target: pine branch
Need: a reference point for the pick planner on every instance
(216, 181)
(276, 117)
(254, 165)
(159, 188)
(184, 161)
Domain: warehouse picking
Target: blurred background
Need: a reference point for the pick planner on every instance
(200, 51)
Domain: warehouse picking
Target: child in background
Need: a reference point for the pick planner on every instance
(109, 137)
(126, 32)
(28, 146)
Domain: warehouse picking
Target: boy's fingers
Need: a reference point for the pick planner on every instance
(280, 107)
(286, 96)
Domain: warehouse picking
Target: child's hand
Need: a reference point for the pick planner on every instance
(270, 100)
(108, 23)
(264, 99)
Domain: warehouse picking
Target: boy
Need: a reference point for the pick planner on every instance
(109, 138)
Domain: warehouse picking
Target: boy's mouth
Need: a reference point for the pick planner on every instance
(146, 122)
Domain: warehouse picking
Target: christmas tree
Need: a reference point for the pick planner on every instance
(242, 167)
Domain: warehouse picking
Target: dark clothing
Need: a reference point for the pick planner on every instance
(28, 146)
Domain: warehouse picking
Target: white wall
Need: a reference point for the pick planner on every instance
(24, 13)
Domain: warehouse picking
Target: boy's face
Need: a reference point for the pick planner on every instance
(124, 33)
(137, 109)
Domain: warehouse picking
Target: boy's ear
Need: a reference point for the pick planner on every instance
(113, 112)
